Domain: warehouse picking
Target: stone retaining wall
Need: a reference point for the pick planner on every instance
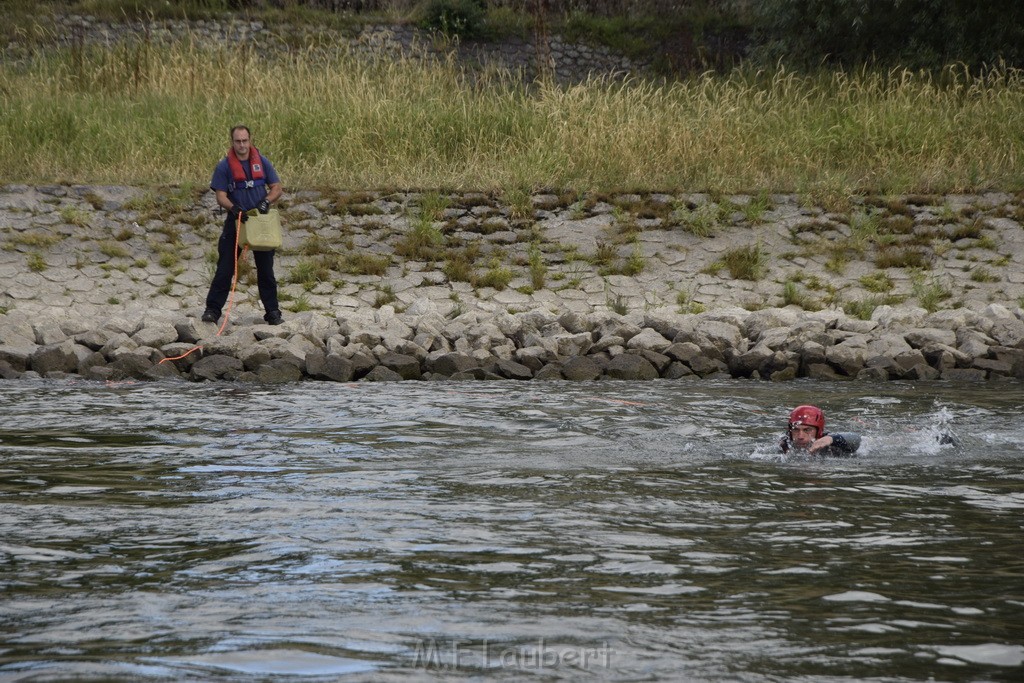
(569, 62)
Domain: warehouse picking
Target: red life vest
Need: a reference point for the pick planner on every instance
(255, 165)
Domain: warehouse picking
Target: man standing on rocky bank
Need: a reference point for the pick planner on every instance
(243, 180)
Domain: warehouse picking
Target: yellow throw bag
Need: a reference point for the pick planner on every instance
(261, 231)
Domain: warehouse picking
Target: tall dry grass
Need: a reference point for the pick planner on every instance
(147, 114)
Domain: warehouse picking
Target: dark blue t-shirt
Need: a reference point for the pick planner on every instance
(245, 197)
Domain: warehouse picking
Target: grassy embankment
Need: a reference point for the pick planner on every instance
(160, 115)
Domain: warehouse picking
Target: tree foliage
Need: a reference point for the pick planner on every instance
(911, 33)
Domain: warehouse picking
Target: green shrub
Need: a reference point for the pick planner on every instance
(462, 18)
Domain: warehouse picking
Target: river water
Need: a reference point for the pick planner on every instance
(508, 531)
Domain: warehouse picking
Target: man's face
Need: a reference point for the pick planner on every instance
(240, 143)
(803, 435)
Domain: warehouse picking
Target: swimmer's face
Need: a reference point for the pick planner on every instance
(803, 435)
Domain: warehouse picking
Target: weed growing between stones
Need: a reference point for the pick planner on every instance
(746, 262)
(538, 268)
(636, 262)
(422, 241)
(686, 304)
(113, 250)
(877, 282)
(39, 240)
(75, 216)
(301, 304)
(929, 293)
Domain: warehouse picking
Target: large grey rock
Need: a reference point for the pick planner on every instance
(55, 358)
(759, 322)
(279, 371)
(382, 374)
(551, 371)
(575, 323)
(714, 337)
(745, 364)
(448, 364)
(972, 343)
(511, 370)
(889, 344)
(581, 368)
(7, 371)
(1008, 332)
(94, 339)
(923, 336)
(899, 316)
(156, 335)
(329, 366)
(630, 366)
(48, 333)
(648, 340)
(407, 367)
(131, 366)
(215, 367)
(848, 359)
(18, 357)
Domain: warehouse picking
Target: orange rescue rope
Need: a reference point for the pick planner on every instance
(231, 296)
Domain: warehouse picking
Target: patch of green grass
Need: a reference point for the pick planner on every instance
(301, 304)
(113, 250)
(746, 262)
(362, 263)
(309, 273)
(169, 259)
(76, 216)
(901, 257)
(862, 308)
(459, 263)
(963, 231)
(538, 267)
(929, 293)
(986, 242)
(791, 295)
(617, 303)
(877, 282)
(837, 263)
(40, 240)
(700, 222)
(982, 274)
(497, 276)
(433, 205)
(603, 255)
(755, 209)
(519, 201)
(636, 262)
(686, 304)
(385, 296)
(36, 263)
(421, 242)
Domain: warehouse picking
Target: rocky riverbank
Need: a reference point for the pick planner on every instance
(107, 283)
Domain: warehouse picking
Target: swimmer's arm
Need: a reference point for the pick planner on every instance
(842, 443)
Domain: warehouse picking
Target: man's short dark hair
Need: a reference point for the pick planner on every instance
(240, 127)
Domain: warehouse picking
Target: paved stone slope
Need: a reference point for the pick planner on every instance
(121, 260)
(92, 251)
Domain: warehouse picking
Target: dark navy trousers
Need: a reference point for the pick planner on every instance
(221, 285)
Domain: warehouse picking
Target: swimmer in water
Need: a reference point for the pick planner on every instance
(806, 433)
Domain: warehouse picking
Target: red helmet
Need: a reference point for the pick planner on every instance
(808, 415)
